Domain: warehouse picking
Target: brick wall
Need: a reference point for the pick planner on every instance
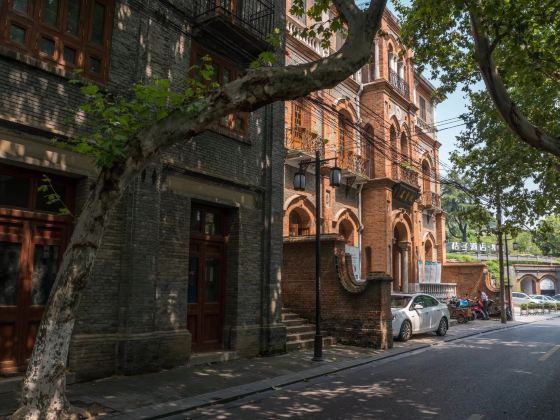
(361, 318)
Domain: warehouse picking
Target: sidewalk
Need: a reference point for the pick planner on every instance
(183, 389)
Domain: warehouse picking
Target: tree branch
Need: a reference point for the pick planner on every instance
(264, 86)
(514, 119)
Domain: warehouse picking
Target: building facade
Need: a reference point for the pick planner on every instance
(191, 259)
(380, 125)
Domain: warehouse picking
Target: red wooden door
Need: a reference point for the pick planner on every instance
(205, 309)
(32, 239)
(30, 252)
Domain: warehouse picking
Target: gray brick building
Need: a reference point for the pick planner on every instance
(191, 261)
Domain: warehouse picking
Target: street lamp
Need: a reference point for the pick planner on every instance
(299, 185)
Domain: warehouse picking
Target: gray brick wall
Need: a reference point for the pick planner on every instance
(132, 316)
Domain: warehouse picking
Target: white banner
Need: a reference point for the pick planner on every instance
(354, 251)
(429, 272)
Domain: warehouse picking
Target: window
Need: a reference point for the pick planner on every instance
(67, 33)
(422, 108)
(19, 189)
(224, 72)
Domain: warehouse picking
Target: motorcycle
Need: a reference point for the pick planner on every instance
(477, 308)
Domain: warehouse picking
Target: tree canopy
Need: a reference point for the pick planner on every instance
(513, 46)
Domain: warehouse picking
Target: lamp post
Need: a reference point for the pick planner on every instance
(299, 185)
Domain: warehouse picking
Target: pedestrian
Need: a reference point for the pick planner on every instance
(484, 299)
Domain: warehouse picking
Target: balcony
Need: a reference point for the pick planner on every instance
(399, 84)
(301, 143)
(354, 166)
(425, 127)
(236, 29)
(402, 173)
(431, 200)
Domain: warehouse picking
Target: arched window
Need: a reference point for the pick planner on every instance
(404, 147)
(299, 223)
(346, 232)
(426, 177)
(394, 152)
(345, 134)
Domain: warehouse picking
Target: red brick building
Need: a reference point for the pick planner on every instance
(380, 125)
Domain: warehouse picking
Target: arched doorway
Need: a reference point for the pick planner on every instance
(428, 251)
(401, 257)
(547, 286)
(299, 223)
(527, 285)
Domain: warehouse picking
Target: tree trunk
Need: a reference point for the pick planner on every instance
(43, 391)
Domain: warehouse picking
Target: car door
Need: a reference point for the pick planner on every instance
(434, 311)
(420, 317)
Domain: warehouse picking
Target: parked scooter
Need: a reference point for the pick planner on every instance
(477, 309)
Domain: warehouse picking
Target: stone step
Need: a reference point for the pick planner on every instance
(308, 344)
(295, 321)
(300, 328)
(289, 315)
(306, 335)
(284, 310)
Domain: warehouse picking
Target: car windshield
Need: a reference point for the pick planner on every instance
(399, 301)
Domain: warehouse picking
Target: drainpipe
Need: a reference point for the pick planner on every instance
(360, 228)
(360, 186)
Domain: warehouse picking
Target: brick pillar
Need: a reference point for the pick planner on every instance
(382, 319)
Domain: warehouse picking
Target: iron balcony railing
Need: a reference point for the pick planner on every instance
(431, 199)
(355, 164)
(401, 173)
(398, 83)
(256, 16)
(303, 140)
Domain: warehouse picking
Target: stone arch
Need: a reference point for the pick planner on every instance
(299, 211)
(528, 284)
(548, 285)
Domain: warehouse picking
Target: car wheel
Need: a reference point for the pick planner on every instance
(443, 327)
(406, 331)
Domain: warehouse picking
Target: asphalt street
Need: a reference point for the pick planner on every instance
(509, 374)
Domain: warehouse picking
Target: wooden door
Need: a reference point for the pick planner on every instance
(32, 239)
(205, 309)
(30, 253)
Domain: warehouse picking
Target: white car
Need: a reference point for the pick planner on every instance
(519, 298)
(418, 313)
(542, 298)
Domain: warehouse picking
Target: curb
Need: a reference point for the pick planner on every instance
(158, 411)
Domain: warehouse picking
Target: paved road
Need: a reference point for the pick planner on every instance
(509, 374)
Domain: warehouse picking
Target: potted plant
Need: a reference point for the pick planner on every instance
(524, 308)
(531, 307)
(546, 307)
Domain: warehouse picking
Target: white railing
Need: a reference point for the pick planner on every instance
(440, 291)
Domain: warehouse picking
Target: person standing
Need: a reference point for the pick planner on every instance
(484, 299)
